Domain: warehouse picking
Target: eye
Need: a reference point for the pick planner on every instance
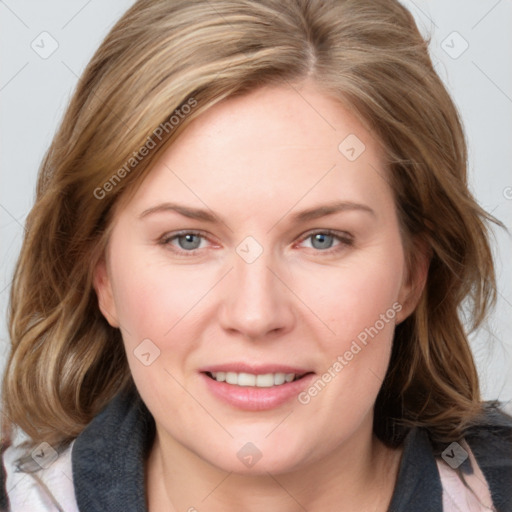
(183, 242)
(325, 241)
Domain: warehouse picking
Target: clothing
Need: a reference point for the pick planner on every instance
(103, 468)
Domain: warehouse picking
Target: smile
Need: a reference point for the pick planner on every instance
(255, 389)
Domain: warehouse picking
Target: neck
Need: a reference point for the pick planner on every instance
(358, 475)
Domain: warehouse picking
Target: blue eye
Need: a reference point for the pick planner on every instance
(188, 241)
(325, 240)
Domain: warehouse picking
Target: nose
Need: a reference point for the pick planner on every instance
(258, 301)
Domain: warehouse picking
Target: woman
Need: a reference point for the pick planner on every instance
(241, 279)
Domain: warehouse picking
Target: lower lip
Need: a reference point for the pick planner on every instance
(251, 398)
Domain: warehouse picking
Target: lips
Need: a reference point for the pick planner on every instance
(255, 387)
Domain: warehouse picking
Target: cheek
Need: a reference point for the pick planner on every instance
(353, 296)
(153, 298)
(359, 303)
(158, 307)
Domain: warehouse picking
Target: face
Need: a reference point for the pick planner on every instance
(257, 276)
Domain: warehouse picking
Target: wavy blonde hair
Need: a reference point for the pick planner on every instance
(67, 362)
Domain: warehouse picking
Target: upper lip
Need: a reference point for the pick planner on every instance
(256, 369)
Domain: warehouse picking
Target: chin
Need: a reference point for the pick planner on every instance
(261, 457)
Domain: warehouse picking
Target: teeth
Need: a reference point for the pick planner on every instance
(245, 379)
(280, 378)
(266, 380)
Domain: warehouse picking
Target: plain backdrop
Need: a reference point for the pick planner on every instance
(45, 46)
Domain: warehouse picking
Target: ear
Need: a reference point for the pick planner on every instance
(103, 287)
(415, 279)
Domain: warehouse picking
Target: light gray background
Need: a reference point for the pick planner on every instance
(35, 88)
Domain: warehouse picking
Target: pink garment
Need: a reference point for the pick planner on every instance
(456, 496)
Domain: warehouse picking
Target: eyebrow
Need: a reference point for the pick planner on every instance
(315, 212)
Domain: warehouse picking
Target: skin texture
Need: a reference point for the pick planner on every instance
(255, 161)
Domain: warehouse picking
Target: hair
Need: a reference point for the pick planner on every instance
(176, 59)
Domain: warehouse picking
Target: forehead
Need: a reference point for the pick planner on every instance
(278, 144)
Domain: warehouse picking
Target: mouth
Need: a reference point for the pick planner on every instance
(265, 380)
(255, 388)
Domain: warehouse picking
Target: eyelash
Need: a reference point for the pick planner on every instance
(345, 239)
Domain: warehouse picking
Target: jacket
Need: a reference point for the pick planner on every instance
(103, 468)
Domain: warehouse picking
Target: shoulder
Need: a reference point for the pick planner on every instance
(476, 473)
(102, 469)
(38, 480)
